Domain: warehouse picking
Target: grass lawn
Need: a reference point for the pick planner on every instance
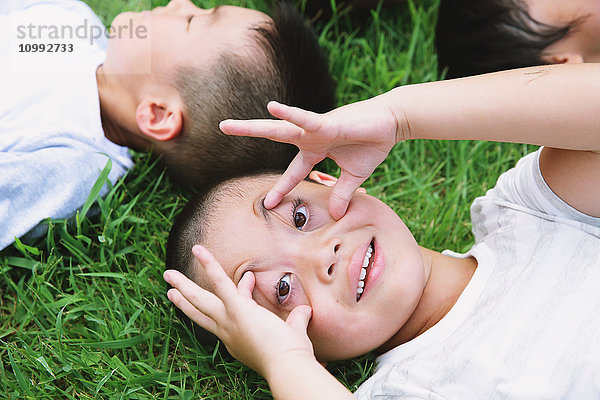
(83, 310)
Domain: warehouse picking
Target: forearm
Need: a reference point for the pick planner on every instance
(556, 106)
(303, 378)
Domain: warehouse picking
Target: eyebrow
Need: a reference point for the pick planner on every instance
(249, 266)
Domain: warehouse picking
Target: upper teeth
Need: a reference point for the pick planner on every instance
(363, 272)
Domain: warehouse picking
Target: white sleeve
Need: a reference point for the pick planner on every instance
(521, 192)
(8, 6)
(51, 182)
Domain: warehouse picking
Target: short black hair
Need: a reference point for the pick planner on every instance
(191, 227)
(192, 224)
(479, 36)
(290, 68)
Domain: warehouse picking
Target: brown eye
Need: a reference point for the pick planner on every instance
(283, 288)
(300, 217)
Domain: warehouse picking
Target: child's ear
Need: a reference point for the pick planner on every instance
(159, 121)
(328, 180)
(564, 58)
(323, 178)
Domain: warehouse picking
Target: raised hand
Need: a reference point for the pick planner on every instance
(251, 333)
(358, 137)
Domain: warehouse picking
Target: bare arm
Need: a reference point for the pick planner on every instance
(555, 106)
(304, 379)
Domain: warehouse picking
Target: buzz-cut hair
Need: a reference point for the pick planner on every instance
(192, 226)
(286, 64)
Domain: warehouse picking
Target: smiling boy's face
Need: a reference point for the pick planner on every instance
(300, 255)
(180, 34)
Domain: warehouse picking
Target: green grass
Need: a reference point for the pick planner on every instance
(83, 311)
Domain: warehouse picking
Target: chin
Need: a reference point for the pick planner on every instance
(123, 17)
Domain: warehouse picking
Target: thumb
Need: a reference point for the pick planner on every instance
(298, 169)
(342, 192)
(246, 284)
(299, 317)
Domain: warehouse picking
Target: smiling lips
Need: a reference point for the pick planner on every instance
(363, 271)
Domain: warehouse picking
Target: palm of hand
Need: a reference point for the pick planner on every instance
(249, 331)
(257, 337)
(357, 137)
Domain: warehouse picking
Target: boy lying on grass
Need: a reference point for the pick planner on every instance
(476, 37)
(516, 317)
(161, 82)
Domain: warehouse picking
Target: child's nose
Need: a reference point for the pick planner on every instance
(330, 270)
(173, 5)
(178, 5)
(327, 260)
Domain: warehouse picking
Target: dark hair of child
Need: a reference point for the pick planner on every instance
(476, 37)
(190, 228)
(295, 72)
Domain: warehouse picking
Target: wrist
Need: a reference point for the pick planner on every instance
(300, 377)
(288, 364)
(397, 113)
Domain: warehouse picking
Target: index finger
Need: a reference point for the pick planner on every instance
(205, 304)
(298, 169)
(189, 308)
(221, 284)
(277, 130)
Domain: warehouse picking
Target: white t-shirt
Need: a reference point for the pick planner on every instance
(52, 146)
(527, 326)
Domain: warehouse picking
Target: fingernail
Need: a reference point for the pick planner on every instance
(167, 276)
(197, 250)
(269, 202)
(337, 214)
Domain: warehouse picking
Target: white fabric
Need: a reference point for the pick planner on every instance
(527, 326)
(52, 146)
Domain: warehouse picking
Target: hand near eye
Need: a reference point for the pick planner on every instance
(251, 333)
(358, 137)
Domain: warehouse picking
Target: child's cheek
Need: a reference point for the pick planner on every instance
(327, 331)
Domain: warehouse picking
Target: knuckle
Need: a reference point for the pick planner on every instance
(217, 282)
(176, 300)
(340, 196)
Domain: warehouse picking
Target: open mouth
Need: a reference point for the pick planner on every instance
(364, 270)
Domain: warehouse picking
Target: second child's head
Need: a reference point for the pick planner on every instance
(300, 255)
(193, 67)
(474, 37)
